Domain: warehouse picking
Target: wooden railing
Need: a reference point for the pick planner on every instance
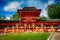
(13, 30)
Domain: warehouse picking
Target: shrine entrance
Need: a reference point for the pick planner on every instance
(29, 27)
(29, 17)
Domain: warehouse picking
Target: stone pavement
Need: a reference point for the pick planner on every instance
(56, 36)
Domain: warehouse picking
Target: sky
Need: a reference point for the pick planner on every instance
(9, 7)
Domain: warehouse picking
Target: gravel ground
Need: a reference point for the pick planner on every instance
(56, 36)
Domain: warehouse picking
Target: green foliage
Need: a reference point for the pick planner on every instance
(42, 18)
(16, 16)
(54, 11)
(3, 17)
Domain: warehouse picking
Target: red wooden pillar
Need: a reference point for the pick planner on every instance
(36, 28)
(29, 28)
(12, 29)
(59, 28)
(52, 28)
(25, 27)
(42, 27)
(21, 28)
(5, 30)
(16, 27)
(33, 26)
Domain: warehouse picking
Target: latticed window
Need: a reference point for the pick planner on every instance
(39, 26)
(48, 26)
(56, 26)
(2, 27)
(10, 26)
(20, 26)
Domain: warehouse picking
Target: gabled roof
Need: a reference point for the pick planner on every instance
(29, 11)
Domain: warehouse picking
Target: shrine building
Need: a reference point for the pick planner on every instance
(29, 22)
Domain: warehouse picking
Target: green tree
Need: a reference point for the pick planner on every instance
(54, 11)
(16, 17)
(42, 18)
(3, 17)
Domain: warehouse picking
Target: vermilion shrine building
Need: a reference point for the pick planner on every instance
(29, 22)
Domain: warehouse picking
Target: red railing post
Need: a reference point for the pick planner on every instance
(5, 30)
(12, 29)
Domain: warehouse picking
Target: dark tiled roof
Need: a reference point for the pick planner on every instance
(9, 20)
(47, 20)
(51, 20)
(28, 9)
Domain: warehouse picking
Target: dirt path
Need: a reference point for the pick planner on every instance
(56, 36)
